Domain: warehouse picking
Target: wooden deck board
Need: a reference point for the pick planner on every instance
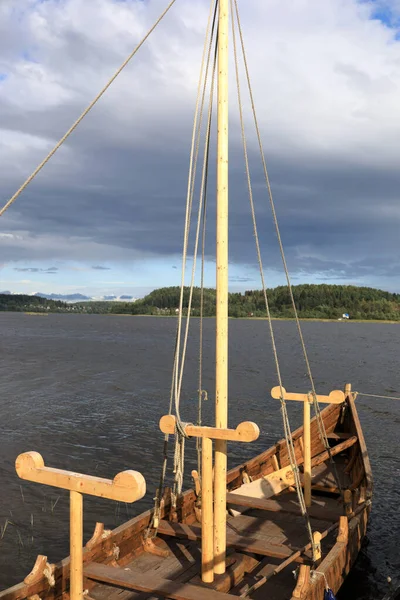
(129, 579)
(251, 541)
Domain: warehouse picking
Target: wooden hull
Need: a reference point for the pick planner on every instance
(264, 533)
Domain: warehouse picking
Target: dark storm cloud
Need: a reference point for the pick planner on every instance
(117, 191)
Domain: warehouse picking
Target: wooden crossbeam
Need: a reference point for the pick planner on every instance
(211, 556)
(335, 397)
(317, 512)
(244, 432)
(127, 486)
(155, 584)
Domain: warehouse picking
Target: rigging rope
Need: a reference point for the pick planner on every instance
(179, 357)
(285, 416)
(355, 394)
(320, 423)
(85, 112)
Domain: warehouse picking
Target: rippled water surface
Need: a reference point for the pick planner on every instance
(87, 393)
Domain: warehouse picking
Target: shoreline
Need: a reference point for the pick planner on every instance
(303, 319)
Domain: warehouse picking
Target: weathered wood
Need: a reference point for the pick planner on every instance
(37, 571)
(244, 432)
(303, 582)
(336, 450)
(335, 397)
(128, 579)
(127, 486)
(278, 505)
(233, 539)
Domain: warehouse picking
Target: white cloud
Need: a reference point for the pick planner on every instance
(326, 82)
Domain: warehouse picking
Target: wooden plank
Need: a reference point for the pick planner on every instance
(338, 435)
(316, 512)
(247, 431)
(249, 543)
(336, 450)
(128, 579)
(363, 446)
(335, 397)
(127, 486)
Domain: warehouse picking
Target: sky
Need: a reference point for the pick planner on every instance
(106, 215)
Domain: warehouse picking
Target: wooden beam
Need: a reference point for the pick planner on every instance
(127, 486)
(233, 539)
(317, 512)
(317, 460)
(244, 432)
(207, 518)
(335, 397)
(141, 582)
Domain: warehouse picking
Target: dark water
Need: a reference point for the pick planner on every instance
(87, 393)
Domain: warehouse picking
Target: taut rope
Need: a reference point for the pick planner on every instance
(85, 112)
(321, 426)
(285, 416)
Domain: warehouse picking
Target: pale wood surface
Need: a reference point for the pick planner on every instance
(76, 543)
(335, 397)
(221, 319)
(307, 452)
(207, 522)
(127, 486)
(244, 432)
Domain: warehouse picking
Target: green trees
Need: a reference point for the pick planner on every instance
(323, 301)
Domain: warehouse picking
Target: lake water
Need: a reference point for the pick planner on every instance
(87, 393)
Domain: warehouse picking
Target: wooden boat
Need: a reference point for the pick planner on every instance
(266, 541)
(287, 524)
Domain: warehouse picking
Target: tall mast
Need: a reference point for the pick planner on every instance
(221, 374)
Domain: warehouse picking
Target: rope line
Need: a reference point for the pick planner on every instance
(85, 112)
(285, 416)
(376, 396)
(179, 356)
(321, 426)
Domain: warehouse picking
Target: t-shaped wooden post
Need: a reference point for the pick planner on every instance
(245, 432)
(127, 486)
(335, 397)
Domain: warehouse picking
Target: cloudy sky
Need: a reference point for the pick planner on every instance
(106, 215)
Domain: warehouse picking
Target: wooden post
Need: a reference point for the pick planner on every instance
(347, 389)
(207, 521)
(76, 545)
(221, 374)
(244, 432)
(127, 486)
(335, 397)
(307, 452)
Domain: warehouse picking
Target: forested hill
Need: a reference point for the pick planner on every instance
(313, 301)
(25, 303)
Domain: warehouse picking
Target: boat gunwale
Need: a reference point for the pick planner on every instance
(134, 527)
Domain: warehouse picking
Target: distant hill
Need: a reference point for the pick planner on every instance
(25, 303)
(82, 298)
(322, 301)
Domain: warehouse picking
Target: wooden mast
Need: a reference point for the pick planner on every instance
(221, 373)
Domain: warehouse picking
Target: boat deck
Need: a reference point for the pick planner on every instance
(258, 541)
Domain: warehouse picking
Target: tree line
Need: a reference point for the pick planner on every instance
(324, 301)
